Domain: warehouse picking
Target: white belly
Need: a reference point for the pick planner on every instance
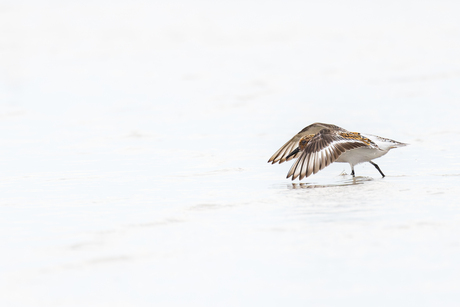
(360, 155)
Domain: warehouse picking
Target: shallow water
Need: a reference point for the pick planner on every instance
(135, 144)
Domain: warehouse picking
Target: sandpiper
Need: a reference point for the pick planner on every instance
(318, 145)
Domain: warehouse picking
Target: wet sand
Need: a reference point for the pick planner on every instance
(135, 140)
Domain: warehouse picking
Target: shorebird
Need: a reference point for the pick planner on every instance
(318, 145)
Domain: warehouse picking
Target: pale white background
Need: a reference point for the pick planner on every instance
(135, 137)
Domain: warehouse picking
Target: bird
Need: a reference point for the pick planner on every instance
(318, 145)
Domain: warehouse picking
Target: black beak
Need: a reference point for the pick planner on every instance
(293, 153)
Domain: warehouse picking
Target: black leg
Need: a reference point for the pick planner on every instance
(378, 168)
(353, 172)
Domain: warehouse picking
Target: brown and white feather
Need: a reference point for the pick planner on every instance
(281, 154)
(323, 149)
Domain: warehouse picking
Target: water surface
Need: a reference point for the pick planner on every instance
(135, 140)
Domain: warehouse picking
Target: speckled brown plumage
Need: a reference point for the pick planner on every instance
(318, 145)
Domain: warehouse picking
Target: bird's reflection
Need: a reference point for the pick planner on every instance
(310, 185)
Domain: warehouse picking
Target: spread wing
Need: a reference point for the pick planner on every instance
(281, 154)
(323, 149)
